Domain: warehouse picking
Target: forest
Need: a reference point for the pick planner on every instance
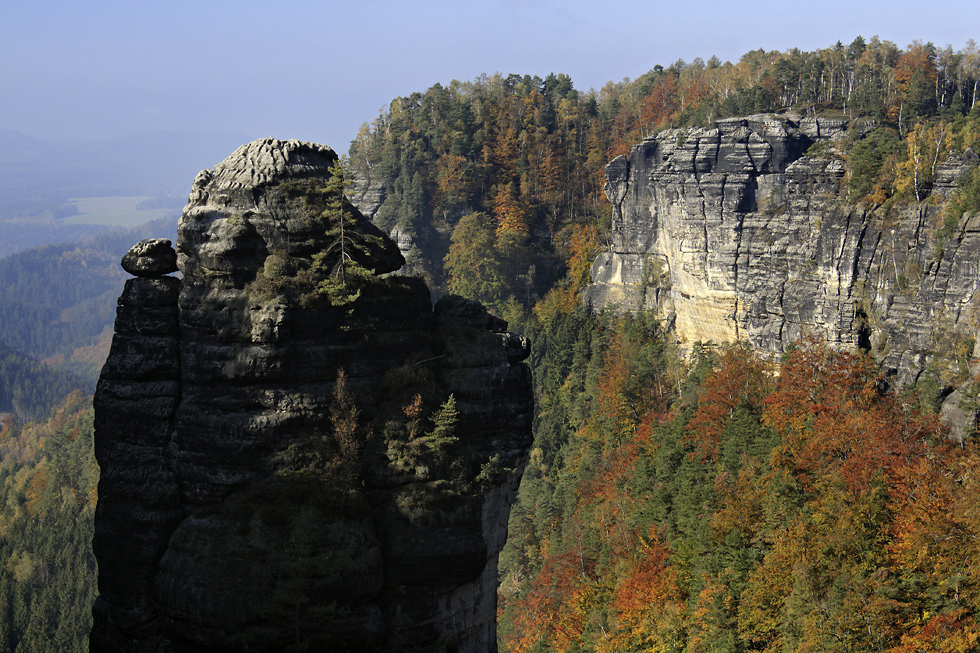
(717, 501)
(673, 501)
(58, 301)
(48, 483)
(734, 504)
(57, 304)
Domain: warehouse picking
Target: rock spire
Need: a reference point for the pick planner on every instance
(292, 460)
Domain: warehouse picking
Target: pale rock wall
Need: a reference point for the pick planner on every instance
(734, 234)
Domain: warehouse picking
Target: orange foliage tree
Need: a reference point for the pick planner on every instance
(657, 108)
(648, 602)
(915, 80)
(510, 215)
(552, 612)
(739, 379)
(833, 417)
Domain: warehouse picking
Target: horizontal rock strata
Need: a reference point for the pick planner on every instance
(734, 233)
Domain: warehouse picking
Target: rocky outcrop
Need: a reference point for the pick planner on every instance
(289, 460)
(153, 257)
(139, 501)
(734, 233)
(367, 195)
(950, 172)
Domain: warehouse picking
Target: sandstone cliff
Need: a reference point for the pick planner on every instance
(735, 234)
(289, 465)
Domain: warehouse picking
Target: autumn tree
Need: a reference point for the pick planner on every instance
(927, 146)
(648, 601)
(659, 106)
(739, 381)
(915, 78)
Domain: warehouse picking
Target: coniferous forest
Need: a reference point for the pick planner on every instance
(48, 479)
(674, 501)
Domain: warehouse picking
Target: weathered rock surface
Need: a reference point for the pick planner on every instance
(950, 172)
(153, 257)
(735, 234)
(367, 196)
(253, 500)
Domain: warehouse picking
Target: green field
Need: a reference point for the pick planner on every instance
(113, 211)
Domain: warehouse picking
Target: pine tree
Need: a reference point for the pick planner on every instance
(342, 273)
(444, 422)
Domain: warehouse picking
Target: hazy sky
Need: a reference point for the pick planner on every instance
(316, 70)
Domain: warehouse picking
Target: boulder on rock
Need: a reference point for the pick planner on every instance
(153, 257)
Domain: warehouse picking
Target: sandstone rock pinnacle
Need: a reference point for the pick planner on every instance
(271, 472)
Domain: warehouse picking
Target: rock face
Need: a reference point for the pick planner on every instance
(367, 196)
(292, 462)
(735, 234)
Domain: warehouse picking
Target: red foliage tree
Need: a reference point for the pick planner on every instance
(739, 378)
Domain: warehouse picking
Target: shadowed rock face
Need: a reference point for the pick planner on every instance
(254, 498)
(734, 234)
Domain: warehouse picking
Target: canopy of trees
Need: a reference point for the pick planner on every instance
(721, 506)
(48, 479)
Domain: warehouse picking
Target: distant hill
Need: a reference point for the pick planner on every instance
(57, 301)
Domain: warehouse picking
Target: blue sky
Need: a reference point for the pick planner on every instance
(93, 69)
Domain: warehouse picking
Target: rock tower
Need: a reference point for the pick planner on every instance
(291, 460)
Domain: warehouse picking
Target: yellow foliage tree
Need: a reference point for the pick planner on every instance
(927, 147)
(583, 246)
(509, 213)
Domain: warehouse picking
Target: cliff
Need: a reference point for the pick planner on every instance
(290, 462)
(734, 233)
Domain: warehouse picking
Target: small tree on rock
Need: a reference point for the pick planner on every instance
(444, 421)
(337, 262)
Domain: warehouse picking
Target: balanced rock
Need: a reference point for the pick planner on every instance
(153, 257)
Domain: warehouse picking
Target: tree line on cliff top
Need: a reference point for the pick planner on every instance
(510, 169)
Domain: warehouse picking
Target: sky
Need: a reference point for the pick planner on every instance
(81, 70)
